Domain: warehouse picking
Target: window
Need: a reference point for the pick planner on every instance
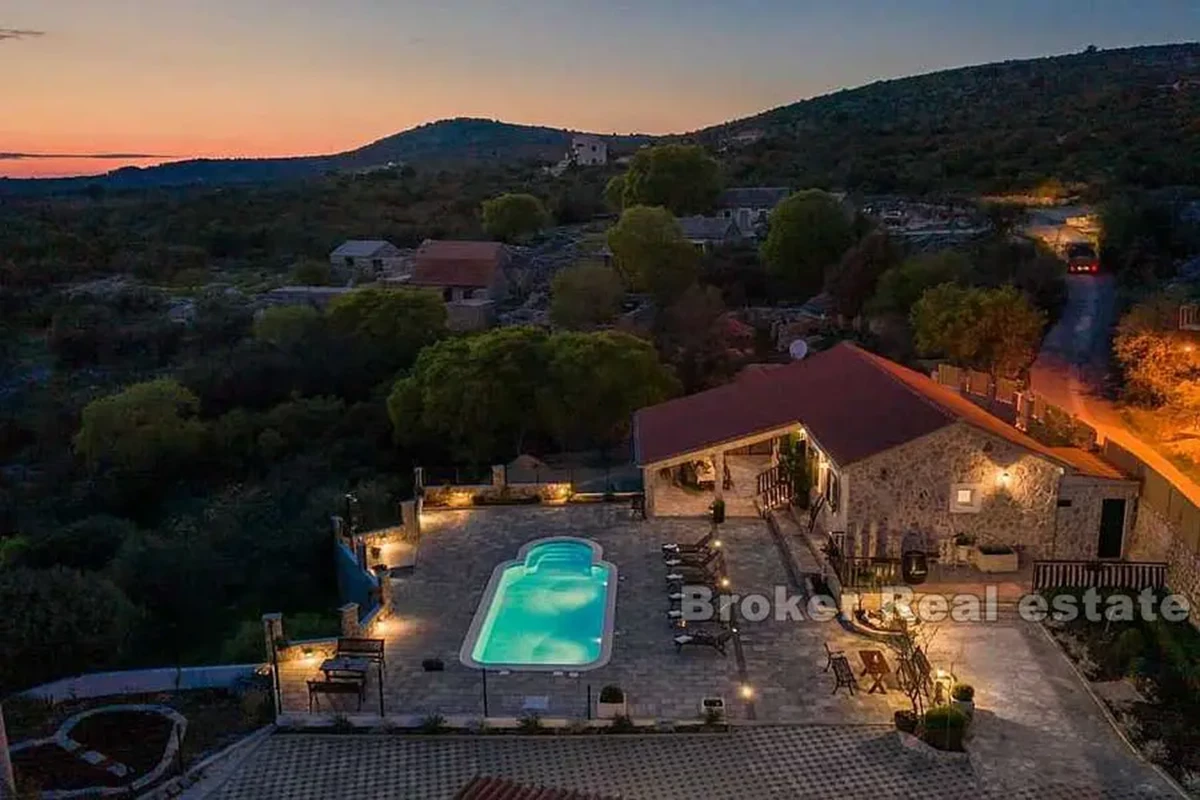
(349, 261)
(377, 263)
(833, 491)
(965, 498)
(447, 294)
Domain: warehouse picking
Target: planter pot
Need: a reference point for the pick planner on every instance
(906, 721)
(999, 560)
(610, 710)
(965, 706)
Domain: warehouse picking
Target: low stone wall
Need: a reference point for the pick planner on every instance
(465, 496)
(143, 681)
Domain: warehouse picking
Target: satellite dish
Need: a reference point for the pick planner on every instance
(798, 349)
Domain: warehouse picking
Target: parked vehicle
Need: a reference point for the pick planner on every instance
(1082, 259)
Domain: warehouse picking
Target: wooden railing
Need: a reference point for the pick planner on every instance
(857, 572)
(1131, 575)
(773, 488)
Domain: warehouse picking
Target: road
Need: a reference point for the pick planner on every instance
(1072, 365)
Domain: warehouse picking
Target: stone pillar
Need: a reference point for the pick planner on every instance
(410, 518)
(499, 476)
(272, 633)
(418, 479)
(718, 458)
(349, 614)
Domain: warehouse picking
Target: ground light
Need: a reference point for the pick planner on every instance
(746, 691)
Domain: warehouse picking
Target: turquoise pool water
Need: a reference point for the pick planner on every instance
(551, 608)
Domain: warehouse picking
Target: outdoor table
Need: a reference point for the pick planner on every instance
(875, 665)
(345, 668)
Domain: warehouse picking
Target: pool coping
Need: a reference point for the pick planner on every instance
(489, 595)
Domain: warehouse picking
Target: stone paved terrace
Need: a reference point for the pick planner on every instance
(1037, 731)
(460, 549)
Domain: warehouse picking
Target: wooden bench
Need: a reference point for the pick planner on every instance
(315, 688)
(354, 647)
(843, 675)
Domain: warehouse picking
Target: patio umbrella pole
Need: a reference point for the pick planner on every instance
(485, 702)
(379, 670)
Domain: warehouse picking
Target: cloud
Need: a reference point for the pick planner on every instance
(17, 33)
(101, 156)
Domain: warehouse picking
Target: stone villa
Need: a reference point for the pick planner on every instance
(898, 461)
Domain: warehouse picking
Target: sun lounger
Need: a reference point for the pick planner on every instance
(716, 641)
(704, 543)
(699, 558)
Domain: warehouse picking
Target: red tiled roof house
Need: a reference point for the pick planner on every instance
(894, 454)
(469, 276)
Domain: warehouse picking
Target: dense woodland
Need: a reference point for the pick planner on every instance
(170, 453)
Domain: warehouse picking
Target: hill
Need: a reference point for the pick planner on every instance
(447, 142)
(1104, 117)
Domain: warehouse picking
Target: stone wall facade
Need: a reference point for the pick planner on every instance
(1155, 539)
(907, 490)
(1077, 533)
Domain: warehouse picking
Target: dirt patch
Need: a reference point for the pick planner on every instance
(49, 767)
(136, 739)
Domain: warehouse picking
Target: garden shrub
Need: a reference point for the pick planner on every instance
(1126, 649)
(944, 728)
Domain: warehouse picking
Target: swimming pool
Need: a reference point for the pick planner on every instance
(549, 609)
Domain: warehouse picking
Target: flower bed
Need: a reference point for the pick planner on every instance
(1162, 661)
(136, 739)
(49, 767)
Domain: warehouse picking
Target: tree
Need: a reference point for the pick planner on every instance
(703, 342)
(852, 282)
(382, 332)
(585, 296)
(901, 286)
(807, 233)
(651, 254)
(289, 328)
(478, 395)
(312, 272)
(596, 381)
(514, 217)
(87, 544)
(997, 330)
(148, 429)
(685, 179)
(614, 193)
(1161, 363)
(58, 622)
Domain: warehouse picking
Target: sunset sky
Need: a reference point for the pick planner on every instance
(183, 78)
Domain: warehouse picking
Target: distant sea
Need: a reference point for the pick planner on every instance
(67, 167)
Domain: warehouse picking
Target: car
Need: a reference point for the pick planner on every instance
(1082, 259)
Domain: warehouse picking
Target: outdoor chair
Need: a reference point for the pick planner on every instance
(830, 655)
(704, 543)
(355, 647)
(716, 641)
(691, 575)
(338, 687)
(843, 675)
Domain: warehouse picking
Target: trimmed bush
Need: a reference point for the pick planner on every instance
(944, 727)
(964, 693)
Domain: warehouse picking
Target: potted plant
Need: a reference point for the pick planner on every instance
(905, 720)
(962, 697)
(944, 727)
(611, 703)
(718, 511)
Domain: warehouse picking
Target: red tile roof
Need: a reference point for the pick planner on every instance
(854, 403)
(481, 788)
(466, 264)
